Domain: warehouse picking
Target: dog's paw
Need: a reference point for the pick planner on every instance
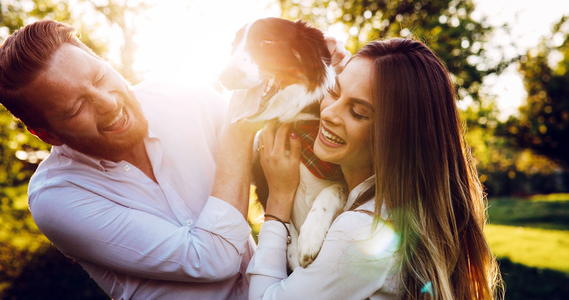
(324, 209)
(310, 241)
(292, 250)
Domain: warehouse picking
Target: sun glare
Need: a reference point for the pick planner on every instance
(190, 41)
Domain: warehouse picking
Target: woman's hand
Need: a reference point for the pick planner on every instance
(280, 158)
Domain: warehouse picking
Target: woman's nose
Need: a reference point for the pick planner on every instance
(331, 113)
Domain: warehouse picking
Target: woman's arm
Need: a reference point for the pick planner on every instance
(352, 264)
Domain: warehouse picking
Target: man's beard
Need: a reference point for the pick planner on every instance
(106, 148)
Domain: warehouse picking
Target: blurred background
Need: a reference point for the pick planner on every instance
(509, 60)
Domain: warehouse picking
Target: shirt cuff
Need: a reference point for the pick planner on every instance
(270, 256)
(221, 218)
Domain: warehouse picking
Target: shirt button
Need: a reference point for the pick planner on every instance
(189, 222)
(126, 168)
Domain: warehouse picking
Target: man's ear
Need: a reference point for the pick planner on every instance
(44, 135)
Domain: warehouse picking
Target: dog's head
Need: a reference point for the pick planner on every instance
(273, 55)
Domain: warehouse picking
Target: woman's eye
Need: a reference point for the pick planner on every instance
(359, 116)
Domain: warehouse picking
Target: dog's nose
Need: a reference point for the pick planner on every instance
(230, 78)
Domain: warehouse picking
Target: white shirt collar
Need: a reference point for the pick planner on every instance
(95, 162)
(358, 190)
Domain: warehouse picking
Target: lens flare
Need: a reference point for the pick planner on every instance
(427, 288)
(383, 242)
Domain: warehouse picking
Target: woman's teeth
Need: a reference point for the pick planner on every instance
(332, 137)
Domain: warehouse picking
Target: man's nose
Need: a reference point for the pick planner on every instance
(105, 102)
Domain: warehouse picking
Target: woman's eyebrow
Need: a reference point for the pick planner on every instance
(353, 99)
(362, 102)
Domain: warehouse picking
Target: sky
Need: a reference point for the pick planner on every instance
(202, 35)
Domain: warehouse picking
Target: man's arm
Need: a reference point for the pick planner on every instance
(93, 229)
(233, 165)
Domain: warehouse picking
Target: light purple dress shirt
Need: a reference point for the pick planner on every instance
(144, 240)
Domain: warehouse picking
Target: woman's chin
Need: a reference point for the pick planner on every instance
(325, 154)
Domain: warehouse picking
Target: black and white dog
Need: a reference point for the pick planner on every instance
(281, 70)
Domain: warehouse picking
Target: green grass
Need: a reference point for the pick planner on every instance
(548, 214)
(534, 247)
(533, 232)
(530, 237)
(560, 197)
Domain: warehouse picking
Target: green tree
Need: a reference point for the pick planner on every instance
(504, 168)
(122, 13)
(446, 26)
(543, 121)
(20, 152)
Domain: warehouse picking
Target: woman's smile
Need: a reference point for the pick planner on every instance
(329, 138)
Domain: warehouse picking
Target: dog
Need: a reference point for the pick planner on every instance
(280, 70)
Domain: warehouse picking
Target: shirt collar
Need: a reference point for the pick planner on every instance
(97, 163)
(77, 156)
(358, 190)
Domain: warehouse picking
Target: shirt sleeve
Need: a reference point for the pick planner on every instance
(90, 228)
(353, 263)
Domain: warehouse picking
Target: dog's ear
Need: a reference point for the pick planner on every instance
(315, 38)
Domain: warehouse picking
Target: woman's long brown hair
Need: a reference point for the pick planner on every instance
(426, 177)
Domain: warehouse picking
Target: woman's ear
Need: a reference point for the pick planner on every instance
(44, 135)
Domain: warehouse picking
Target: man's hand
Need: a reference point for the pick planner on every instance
(338, 53)
(233, 159)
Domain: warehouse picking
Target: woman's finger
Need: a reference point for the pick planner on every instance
(281, 138)
(295, 146)
(267, 138)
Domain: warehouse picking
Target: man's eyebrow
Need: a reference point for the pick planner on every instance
(99, 73)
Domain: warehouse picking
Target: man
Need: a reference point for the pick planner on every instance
(126, 189)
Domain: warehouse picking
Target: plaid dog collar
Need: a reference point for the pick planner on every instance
(308, 131)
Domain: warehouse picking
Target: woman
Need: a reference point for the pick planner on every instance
(413, 225)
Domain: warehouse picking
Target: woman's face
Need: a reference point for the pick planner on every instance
(346, 118)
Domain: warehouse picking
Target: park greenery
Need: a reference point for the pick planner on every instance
(517, 159)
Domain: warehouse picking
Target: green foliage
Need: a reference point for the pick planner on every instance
(22, 246)
(121, 13)
(446, 26)
(503, 167)
(543, 124)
